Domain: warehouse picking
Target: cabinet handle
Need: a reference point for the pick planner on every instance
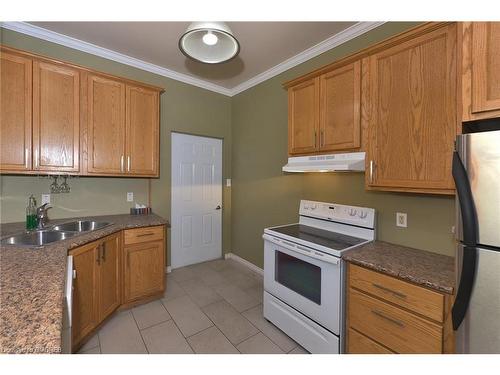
(26, 153)
(145, 234)
(103, 246)
(397, 294)
(36, 158)
(321, 138)
(372, 165)
(121, 163)
(128, 163)
(389, 319)
(315, 139)
(98, 260)
(128, 259)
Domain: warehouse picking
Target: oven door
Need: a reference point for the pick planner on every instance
(305, 279)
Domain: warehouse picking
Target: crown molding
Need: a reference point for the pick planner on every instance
(332, 42)
(80, 45)
(67, 41)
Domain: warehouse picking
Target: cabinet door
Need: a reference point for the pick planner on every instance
(412, 116)
(15, 114)
(109, 276)
(105, 126)
(485, 66)
(303, 117)
(142, 118)
(340, 108)
(56, 117)
(85, 306)
(144, 269)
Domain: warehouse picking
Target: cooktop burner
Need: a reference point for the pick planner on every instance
(332, 240)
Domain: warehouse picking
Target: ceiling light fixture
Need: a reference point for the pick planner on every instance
(209, 42)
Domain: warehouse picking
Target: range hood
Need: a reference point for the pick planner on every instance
(349, 162)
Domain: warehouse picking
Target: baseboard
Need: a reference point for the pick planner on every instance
(168, 269)
(245, 262)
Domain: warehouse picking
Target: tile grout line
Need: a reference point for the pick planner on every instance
(235, 345)
(184, 337)
(140, 333)
(275, 343)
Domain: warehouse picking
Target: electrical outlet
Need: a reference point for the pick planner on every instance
(130, 197)
(401, 219)
(45, 198)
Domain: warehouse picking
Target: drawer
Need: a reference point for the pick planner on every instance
(360, 344)
(420, 300)
(145, 234)
(393, 327)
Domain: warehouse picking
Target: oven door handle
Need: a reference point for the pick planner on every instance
(302, 250)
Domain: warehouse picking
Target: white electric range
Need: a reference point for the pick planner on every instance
(304, 289)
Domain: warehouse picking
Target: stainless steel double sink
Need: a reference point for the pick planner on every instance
(54, 233)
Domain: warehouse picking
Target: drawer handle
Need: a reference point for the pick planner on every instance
(389, 319)
(145, 234)
(397, 294)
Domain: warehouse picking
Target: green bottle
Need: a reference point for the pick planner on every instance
(31, 221)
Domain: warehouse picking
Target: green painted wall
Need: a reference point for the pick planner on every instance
(253, 125)
(184, 108)
(263, 196)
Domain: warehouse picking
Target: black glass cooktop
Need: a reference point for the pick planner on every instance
(320, 237)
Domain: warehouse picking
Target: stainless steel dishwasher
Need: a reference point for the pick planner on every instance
(67, 307)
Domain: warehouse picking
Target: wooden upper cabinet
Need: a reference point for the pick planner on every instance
(56, 117)
(303, 117)
(15, 113)
(340, 93)
(481, 70)
(105, 125)
(410, 110)
(142, 119)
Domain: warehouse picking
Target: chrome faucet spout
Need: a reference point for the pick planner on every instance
(41, 215)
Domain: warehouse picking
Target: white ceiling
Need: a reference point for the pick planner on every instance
(267, 48)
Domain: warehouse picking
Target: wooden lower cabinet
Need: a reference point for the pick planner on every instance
(110, 275)
(144, 265)
(388, 315)
(97, 289)
(85, 288)
(360, 344)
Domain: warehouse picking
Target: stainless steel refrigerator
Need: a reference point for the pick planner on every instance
(476, 311)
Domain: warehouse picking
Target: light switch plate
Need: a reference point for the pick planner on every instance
(130, 197)
(401, 219)
(228, 182)
(45, 198)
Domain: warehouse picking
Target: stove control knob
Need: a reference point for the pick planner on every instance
(363, 214)
(312, 206)
(352, 212)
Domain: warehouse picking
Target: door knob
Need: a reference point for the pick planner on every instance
(218, 207)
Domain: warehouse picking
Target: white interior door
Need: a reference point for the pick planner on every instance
(196, 199)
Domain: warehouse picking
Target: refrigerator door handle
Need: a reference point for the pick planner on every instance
(470, 230)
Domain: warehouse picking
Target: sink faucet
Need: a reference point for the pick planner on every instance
(41, 215)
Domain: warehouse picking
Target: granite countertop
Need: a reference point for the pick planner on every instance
(32, 284)
(421, 267)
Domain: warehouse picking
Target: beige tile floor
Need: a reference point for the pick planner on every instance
(213, 307)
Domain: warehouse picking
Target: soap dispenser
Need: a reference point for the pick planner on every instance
(31, 221)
